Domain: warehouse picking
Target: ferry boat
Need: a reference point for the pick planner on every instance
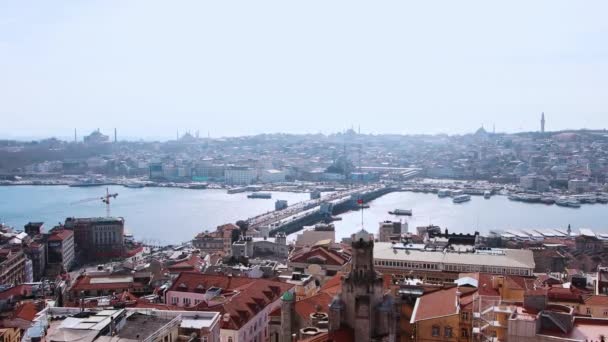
(487, 194)
(586, 198)
(89, 182)
(568, 202)
(444, 193)
(461, 199)
(134, 185)
(265, 195)
(236, 190)
(406, 212)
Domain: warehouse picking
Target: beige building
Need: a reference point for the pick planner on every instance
(439, 265)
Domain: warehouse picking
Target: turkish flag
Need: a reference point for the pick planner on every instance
(359, 201)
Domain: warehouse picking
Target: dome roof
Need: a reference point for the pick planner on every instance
(287, 296)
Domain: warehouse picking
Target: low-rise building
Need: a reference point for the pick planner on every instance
(131, 324)
(321, 261)
(391, 231)
(12, 266)
(444, 264)
(444, 315)
(249, 247)
(108, 284)
(311, 235)
(244, 303)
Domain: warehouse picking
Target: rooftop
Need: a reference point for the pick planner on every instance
(519, 258)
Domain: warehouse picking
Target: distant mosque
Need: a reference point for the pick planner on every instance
(542, 123)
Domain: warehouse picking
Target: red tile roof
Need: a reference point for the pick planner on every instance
(246, 297)
(194, 263)
(597, 300)
(329, 256)
(60, 235)
(309, 305)
(16, 291)
(333, 286)
(441, 303)
(26, 311)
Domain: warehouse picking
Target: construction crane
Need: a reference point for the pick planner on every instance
(105, 199)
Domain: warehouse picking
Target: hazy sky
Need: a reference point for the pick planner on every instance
(246, 67)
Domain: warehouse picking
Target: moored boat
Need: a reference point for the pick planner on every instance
(264, 195)
(461, 199)
(406, 212)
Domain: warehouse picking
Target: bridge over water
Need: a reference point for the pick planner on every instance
(296, 216)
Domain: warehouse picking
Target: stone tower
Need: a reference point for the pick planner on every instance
(363, 294)
(287, 316)
(336, 308)
(542, 123)
(280, 238)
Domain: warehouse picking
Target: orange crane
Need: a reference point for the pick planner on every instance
(105, 199)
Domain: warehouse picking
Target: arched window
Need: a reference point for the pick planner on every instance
(435, 330)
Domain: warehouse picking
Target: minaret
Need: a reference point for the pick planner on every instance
(75, 136)
(542, 123)
(287, 316)
(115, 136)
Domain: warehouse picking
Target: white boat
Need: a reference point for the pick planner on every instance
(487, 194)
(461, 199)
(407, 212)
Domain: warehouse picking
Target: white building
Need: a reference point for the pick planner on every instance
(240, 175)
(273, 176)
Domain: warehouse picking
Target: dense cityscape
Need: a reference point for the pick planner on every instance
(303, 171)
(284, 275)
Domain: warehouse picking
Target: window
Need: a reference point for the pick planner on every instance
(205, 339)
(435, 330)
(588, 311)
(605, 312)
(174, 300)
(229, 339)
(448, 332)
(464, 332)
(465, 316)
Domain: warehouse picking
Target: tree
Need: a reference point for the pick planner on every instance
(243, 226)
(236, 233)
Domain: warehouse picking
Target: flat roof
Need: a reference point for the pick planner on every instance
(109, 280)
(519, 258)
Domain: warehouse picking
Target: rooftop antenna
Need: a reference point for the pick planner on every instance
(75, 136)
(360, 200)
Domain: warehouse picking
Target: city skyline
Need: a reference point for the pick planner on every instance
(149, 69)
